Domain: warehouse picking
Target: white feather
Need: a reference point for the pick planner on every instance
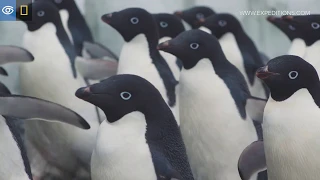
(292, 137)
(312, 54)
(12, 167)
(64, 15)
(122, 152)
(298, 47)
(213, 130)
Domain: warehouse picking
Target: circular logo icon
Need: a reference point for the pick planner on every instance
(7, 10)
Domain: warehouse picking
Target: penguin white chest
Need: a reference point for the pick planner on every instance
(12, 167)
(312, 55)
(212, 128)
(292, 138)
(122, 152)
(170, 59)
(297, 48)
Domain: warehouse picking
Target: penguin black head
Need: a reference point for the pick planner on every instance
(120, 95)
(308, 25)
(131, 22)
(168, 25)
(286, 74)
(192, 46)
(193, 16)
(62, 4)
(220, 24)
(42, 12)
(287, 28)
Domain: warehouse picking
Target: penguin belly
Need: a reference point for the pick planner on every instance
(291, 138)
(212, 128)
(135, 59)
(297, 48)
(12, 166)
(122, 152)
(50, 77)
(233, 54)
(312, 54)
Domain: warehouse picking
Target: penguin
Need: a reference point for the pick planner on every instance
(291, 129)
(213, 96)
(79, 32)
(15, 108)
(53, 77)
(239, 49)
(138, 120)
(192, 15)
(298, 45)
(139, 54)
(169, 26)
(310, 26)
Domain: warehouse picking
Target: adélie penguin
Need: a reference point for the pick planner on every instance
(213, 95)
(139, 54)
(239, 49)
(310, 27)
(298, 45)
(192, 16)
(79, 32)
(53, 76)
(140, 138)
(291, 123)
(169, 26)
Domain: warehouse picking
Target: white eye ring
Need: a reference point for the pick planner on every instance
(199, 15)
(125, 95)
(134, 20)
(293, 74)
(292, 27)
(163, 24)
(194, 45)
(40, 13)
(58, 1)
(315, 25)
(222, 23)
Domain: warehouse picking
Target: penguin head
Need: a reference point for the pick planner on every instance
(192, 46)
(286, 74)
(220, 24)
(131, 22)
(62, 4)
(194, 15)
(287, 28)
(120, 95)
(168, 25)
(42, 12)
(308, 25)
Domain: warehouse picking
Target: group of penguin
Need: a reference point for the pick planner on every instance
(201, 104)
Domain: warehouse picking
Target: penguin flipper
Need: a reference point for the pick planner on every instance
(252, 160)
(14, 54)
(96, 50)
(255, 108)
(96, 69)
(31, 108)
(3, 72)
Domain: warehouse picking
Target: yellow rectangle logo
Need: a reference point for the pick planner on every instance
(24, 10)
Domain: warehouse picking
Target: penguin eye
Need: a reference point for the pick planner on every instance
(40, 13)
(163, 24)
(222, 23)
(194, 45)
(58, 1)
(125, 95)
(292, 27)
(293, 74)
(315, 25)
(134, 20)
(199, 16)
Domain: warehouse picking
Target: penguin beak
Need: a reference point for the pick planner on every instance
(178, 14)
(84, 93)
(264, 73)
(287, 18)
(271, 18)
(163, 46)
(106, 18)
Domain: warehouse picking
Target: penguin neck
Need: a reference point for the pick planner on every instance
(218, 58)
(67, 46)
(245, 43)
(153, 39)
(315, 93)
